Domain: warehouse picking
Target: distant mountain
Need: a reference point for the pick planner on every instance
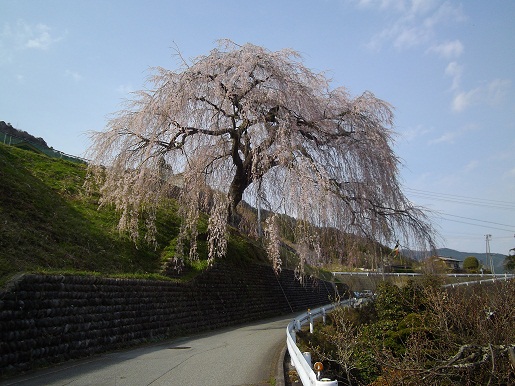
(497, 258)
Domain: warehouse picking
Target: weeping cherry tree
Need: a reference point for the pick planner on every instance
(244, 123)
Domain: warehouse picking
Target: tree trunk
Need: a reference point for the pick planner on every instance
(239, 183)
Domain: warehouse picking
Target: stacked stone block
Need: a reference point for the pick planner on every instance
(50, 319)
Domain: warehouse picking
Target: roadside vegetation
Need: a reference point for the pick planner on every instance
(421, 334)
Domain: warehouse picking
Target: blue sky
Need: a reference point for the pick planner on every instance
(448, 68)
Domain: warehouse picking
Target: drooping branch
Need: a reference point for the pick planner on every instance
(244, 116)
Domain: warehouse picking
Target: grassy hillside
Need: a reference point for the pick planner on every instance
(47, 223)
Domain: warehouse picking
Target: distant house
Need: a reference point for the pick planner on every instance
(450, 262)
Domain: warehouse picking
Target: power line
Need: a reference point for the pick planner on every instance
(475, 203)
(477, 225)
(467, 201)
(475, 219)
(457, 196)
(461, 199)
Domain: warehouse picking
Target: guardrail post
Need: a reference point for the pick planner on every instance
(310, 321)
(293, 335)
(302, 361)
(307, 357)
(323, 315)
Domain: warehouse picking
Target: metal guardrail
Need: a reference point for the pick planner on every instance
(373, 273)
(304, 370)
(495, 278)
(491, 275)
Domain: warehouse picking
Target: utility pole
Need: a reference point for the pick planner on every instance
(488, 254)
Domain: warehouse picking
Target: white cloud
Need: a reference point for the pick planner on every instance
(402, 35)
(463, 100)
(492, 94)
(496, 91)
(447, 12)
(454, 70)
(404, 6)
(418, 24)
(415, 132)
(39, 37)
(73, 74)
(448, 50)
(21, 35)
(449, 137)
(414, 23)
(471, 166)
(124, 89)
(411, 36)
(374, 4)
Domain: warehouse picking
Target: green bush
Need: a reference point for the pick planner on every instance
(471, 264)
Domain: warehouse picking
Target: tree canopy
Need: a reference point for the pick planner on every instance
(471, 263)
(509, 261)
(245, 123)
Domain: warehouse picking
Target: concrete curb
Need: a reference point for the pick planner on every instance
(279, 374)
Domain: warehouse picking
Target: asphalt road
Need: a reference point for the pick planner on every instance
(237, 356)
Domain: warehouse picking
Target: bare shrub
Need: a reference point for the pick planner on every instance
(428, 335)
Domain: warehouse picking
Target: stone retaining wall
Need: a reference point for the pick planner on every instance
(51, 319)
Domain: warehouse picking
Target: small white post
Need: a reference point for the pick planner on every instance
(310, 321)
(323, 315)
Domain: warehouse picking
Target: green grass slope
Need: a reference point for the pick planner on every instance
(48, 224)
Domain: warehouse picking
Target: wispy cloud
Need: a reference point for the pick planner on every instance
(449, 137)
(39, 37)
(471, 166)
(403, 6)
(21, 35)
(417, 24)
(492, 94)
(414, 23)
(414, 133)
(73, 75)
(448, 50)
(125, 89)
(496, 91)
(455, 71)
(464, 99)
